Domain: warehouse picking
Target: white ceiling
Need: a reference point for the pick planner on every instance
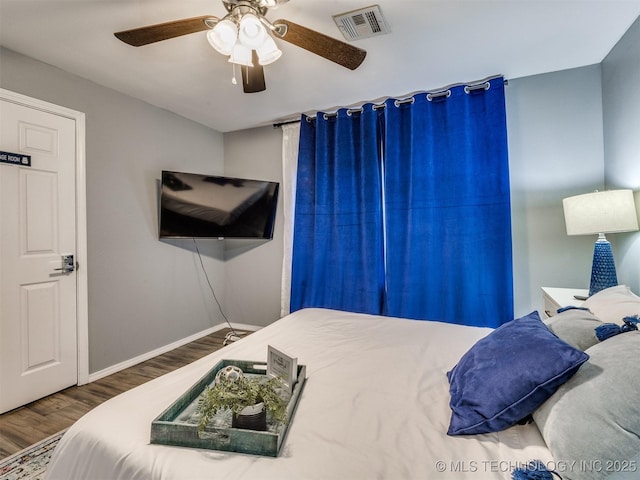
(433, 43)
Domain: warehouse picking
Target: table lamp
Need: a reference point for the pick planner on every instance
(611, 211)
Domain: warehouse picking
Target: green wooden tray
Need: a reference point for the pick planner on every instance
(178, 424)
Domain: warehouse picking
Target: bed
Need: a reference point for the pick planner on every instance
(376, 404)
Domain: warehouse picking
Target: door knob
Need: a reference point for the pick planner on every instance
(68, 265)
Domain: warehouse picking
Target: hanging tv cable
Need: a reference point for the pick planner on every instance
(233, 335)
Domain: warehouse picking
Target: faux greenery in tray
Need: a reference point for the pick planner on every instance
(236, 395)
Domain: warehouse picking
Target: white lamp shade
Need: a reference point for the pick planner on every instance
(241, 55)
(268, 52)
(251, 33)
(600, 212)
(223, 36)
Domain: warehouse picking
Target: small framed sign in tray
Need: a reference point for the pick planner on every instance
(279, 364)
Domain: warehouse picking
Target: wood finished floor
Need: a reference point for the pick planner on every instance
(38, 420)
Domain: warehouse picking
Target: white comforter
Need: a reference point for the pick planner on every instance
(375, 405)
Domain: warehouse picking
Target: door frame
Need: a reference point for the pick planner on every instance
(82, 293)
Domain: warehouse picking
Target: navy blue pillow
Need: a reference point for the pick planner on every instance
(506, 375)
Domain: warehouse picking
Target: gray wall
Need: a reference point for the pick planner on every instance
(253, 270)
(554, 124)
(621, 100)
(143, 294)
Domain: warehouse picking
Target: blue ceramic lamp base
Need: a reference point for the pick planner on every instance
(603, 270)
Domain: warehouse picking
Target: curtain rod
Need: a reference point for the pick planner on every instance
(435, 93)
(286, 122)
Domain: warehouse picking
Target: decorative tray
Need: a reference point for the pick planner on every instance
(178, 424)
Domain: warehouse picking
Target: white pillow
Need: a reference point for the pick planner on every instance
(612, 304)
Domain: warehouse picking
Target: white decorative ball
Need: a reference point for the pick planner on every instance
(229, 373)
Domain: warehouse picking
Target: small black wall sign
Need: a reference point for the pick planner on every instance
(15, 158)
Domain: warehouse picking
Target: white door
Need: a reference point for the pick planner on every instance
(38, 331)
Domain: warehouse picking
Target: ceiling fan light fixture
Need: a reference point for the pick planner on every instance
(223, 36)
(258, 35)
(251, 32)
(268, 52)
(241, 55)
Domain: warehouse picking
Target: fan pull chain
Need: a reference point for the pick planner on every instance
(233, 78)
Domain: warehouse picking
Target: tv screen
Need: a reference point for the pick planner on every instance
(205, 206)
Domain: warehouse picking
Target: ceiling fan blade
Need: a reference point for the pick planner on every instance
(253, 77)
(164, 31)
(337, 51)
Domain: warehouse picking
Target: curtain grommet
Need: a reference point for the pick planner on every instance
(473, 88)
(409, 101)
(438, 95)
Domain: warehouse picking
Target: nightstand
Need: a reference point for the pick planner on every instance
(555, 298)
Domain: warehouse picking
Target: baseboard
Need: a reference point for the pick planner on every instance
(167, 348)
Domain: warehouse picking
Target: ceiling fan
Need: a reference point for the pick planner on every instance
(245, 35)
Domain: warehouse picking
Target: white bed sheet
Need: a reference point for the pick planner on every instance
(375, 405)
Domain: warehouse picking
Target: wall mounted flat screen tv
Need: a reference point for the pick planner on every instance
(205, 206)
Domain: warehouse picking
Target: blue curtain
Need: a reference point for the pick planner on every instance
(338, 230)
(448, 220)
(405, 211)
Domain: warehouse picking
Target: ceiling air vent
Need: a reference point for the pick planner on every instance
(362, 23)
